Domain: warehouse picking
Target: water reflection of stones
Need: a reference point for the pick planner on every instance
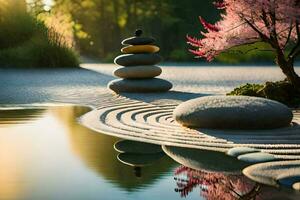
(139, 160)
(129, 146)
(225, 186)
(285, 173)
(138, 154)
(96, 151)
(218, 176)
(209, 161)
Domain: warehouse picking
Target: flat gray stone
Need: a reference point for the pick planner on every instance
(257, 157)
(237, 151)
(139, 160)
(138, 41)
(211, 161)
(138, 72)
(140, 85)
(137, 59)
(233, 112)
(129, 146)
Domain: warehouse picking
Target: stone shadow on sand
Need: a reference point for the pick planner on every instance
(163, 98)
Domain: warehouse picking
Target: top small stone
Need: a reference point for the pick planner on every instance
(138, 40)
(138, 33)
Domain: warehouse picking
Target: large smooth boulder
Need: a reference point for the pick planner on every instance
(137, 59)
(233, 112)
(138, 72)
(140, 49)
(138, 41)
(140, 85)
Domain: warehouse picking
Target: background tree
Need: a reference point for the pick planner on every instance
(274, 22)
(100, 25)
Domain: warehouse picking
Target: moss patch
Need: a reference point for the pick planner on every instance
(281, 91)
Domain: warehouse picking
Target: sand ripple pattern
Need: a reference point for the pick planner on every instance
(135, 120)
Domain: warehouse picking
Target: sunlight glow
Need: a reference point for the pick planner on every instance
(20, 145)
(48, 4)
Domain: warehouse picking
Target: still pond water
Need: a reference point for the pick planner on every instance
(46, 155)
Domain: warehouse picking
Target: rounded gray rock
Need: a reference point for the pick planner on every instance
(140, 85)
(138, 72)
(257, 157)
(233, 112)
(237, 151)
(138, 41)
(137, 59)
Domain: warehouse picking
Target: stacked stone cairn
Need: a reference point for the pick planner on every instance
(139, 67)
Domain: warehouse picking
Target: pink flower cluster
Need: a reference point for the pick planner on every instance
(246, 22)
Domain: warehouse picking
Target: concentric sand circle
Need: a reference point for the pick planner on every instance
(140, 121)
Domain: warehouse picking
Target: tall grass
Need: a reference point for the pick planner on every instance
(27, 42)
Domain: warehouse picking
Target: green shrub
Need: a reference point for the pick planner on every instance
(247, 90)
(109, 58)
(179, 55)
(27, 42)
(281, 91)
(50, 54)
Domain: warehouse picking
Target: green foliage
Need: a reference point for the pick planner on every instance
(25, 41)
(247, 90)
(258, 52)
(54, 55)
(281, 91)
(100, 25)
(179, 55)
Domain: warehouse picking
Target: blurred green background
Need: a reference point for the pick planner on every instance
(56, 33)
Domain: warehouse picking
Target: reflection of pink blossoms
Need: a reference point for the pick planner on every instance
(215, 185)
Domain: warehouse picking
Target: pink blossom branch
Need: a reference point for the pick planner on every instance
(263, 36)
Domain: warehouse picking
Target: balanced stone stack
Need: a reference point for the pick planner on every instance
(139, 67)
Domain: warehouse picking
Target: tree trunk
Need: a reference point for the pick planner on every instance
(287, 68)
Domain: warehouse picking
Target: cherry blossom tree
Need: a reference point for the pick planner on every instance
(275, 22)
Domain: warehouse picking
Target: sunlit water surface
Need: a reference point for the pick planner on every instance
(45, 154)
